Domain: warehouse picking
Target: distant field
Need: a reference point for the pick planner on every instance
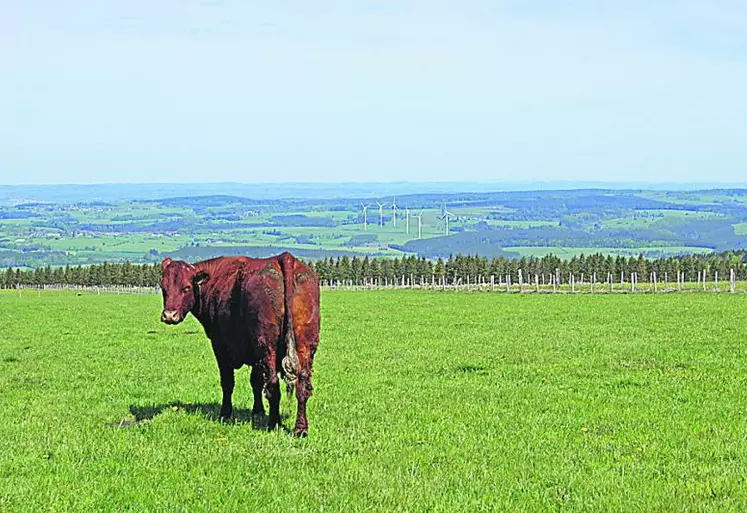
(642, 219)
(423, 402)
(571, 252)
(487, 223)
(520, 224)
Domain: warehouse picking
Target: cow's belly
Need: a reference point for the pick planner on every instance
(242, 353)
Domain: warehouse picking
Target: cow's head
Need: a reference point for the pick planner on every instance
(180, 286)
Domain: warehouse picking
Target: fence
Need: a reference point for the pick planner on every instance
(101, 289)
(545, 283)
(552, 283)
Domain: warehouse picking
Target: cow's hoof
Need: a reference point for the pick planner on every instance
(259, 419)
(273, 423)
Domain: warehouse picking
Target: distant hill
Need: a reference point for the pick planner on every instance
(203, 253)
(113, 192)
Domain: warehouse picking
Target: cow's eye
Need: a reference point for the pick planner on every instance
(186, 289)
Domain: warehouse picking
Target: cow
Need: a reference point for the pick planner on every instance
(261, 312)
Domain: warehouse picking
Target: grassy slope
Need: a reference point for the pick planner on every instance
(423, 401)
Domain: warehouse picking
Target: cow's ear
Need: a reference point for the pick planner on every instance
(201, 278)
(165, 263)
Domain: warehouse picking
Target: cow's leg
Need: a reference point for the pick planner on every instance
(226, 379)
(303, 389)
(257, 381)
(227, 384)
(272, 389)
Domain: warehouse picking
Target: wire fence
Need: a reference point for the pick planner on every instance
(546, 283)
(553, 283)
(100, 289)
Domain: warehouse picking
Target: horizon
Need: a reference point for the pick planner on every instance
(372, 92)
(611, 183)
(116, 192)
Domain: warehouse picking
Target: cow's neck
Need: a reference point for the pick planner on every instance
(198, 310)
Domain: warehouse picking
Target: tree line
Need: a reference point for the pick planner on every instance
(474, 267)
(457, 268)
(145, 275)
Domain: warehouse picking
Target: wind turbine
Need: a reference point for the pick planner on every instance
(407, 220)
(445, 217)
(419, 217)
(394, 212)
(381, 213)
(365, 218)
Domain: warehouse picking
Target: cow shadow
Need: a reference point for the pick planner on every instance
(209, 411)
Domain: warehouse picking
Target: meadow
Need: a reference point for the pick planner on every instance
(424, 401)
(510, 224)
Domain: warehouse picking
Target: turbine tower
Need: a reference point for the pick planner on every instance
(419, 217)
(365, 218)
(381, 213)
(394, 212)
(407, 220)
(445, 217)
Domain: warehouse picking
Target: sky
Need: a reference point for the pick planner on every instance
(337, 91)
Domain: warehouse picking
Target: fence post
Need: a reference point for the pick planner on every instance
(715, 281)
(732, 284)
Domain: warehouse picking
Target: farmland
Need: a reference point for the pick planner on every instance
(423, 401)
(493, 224)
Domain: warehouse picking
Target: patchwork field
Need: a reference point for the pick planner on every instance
(424, 401)
(511, 224)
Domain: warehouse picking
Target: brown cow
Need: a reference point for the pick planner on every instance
(262, 312)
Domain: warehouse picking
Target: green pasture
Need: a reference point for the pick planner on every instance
(424, 401)
(520, 224)
(215, 222)
(643, 219)
(565, 252)
(695, 198)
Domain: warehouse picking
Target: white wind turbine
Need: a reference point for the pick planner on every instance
(381, 213)
(365, 218)
(419, 217)
(407, 220)
(445, 218)
(394, 212)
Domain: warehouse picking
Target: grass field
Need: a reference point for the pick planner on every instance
(566, 253)
(424, 401)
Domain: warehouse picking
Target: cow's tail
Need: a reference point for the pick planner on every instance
(290, 360)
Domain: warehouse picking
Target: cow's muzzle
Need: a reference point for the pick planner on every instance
(170, 317)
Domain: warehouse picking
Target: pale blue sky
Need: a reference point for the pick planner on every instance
(218, 90)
